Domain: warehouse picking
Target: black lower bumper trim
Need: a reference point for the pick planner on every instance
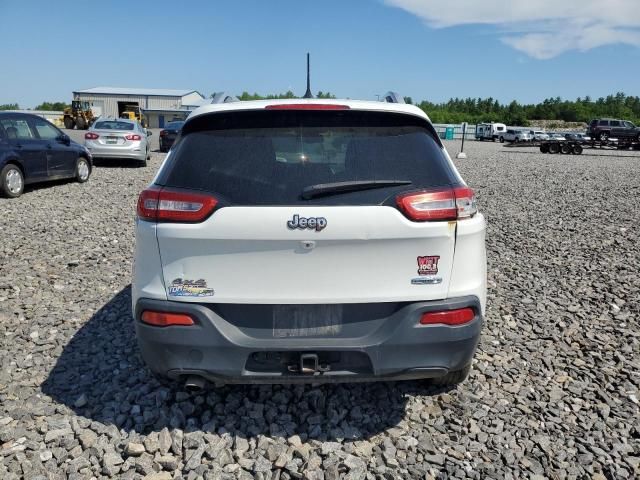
(392, 347)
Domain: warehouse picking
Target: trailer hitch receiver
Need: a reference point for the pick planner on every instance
(309, 364)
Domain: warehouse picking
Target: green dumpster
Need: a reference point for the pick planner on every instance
(449, 133)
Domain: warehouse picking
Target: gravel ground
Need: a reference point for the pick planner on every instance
(553, 394)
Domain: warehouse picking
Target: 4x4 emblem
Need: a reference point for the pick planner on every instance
(311, 223)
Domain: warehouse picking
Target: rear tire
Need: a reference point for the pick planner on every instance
(452, 378)
(11, 181)
(554, 148)
(603, 136)
(544, 148)
(83, 170)
(69, 123)
(142, 163)
(577, 150)
(501, 139)
(81, 123)
(565, 149)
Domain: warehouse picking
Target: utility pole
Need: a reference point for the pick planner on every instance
(464, 134)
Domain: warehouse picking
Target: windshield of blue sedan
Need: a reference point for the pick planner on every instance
(113, 125)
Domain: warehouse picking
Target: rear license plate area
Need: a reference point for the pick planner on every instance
(112, 140)
(307, 320)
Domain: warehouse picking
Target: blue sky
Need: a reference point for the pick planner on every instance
(359, 48)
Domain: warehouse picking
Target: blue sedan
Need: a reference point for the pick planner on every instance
(34, 150)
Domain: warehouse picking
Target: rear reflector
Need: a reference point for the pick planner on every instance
(449, 317)
(157, 204)
(133, 136)
(439, 204)
(166, 319)
(91, 136)
(307, 106)
(164, 133)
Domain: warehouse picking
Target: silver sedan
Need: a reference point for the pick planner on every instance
(118, 138)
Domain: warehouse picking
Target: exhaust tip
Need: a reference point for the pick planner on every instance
(195, 384)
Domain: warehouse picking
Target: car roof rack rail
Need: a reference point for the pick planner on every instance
(393, 97)
(224, 97)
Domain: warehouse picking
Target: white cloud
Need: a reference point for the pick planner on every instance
(540, 28)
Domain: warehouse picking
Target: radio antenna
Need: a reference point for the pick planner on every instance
(308, 93)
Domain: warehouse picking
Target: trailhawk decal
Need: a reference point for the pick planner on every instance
(190, 288)
(428, 265)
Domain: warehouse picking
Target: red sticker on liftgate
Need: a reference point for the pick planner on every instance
(428, 265)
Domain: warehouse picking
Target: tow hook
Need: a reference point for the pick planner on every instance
(309, 364)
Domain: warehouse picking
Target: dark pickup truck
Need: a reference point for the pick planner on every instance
(603, 129)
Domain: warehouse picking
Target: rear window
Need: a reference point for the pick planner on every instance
(174, 125)
(113, 125)
(269, 157)
(603, 123)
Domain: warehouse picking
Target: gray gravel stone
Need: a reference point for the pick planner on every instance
(557, 363)
(193, 460)
(134, 449)
(164, 441)
(167, 462)
(158, 476)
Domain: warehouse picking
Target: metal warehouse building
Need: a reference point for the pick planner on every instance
(159, 106)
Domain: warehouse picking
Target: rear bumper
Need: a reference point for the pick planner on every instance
(135, 152)
(392, 348)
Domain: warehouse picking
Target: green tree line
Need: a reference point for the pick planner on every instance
(288, 94)
(476, 110)
(52, 106)
(49, 106)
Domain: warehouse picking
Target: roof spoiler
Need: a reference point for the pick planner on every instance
(393, 97)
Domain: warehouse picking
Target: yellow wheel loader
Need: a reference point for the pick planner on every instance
(132, 112)
(79, 115)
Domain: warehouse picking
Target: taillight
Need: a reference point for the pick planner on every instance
(307, 106)
(160, 205)
(166, 319)
(465, 202)
(440, 204)
(133, 136)
(91, 136)
(448, 317)
(164, 133)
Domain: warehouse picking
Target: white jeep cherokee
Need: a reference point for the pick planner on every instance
(308, 241)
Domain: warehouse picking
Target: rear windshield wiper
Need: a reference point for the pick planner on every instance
(324, 189)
